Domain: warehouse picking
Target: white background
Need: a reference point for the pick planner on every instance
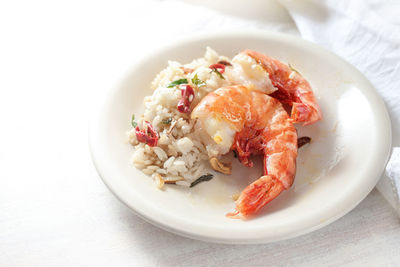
(57, 59)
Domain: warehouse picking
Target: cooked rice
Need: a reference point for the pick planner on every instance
(182, 152)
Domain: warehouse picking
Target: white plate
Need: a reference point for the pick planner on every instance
(349, 151)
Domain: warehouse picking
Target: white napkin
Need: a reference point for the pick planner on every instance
(367, 34)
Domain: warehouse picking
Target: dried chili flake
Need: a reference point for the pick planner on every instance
(218, 67)
(148, 136)
(187, 93)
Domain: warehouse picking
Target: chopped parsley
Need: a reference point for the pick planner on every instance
(177, 82)
(133, 122)
(197, 81)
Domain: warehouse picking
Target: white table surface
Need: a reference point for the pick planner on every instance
(56, 61)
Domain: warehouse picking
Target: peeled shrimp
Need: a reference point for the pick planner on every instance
(252, 123)
(293, 89)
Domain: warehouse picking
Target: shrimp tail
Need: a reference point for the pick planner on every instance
(256, 195)
(292, 89)
(300, 112)
(279, 171)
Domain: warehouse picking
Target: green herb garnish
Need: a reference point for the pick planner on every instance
(167, 121)
(218, 73)
(202, 178)
(293, 69)
(197, 81)
(177, 82)
(133, 122)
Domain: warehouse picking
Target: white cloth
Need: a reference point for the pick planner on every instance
(367, 34)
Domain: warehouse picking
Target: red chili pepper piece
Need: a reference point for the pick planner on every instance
(150, 137)
(187, 93)
(246, 143)
(219, 67)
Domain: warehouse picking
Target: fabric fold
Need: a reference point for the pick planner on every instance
(356, 31)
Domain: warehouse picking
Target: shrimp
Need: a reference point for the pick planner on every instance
(293, 89)
(252, 123)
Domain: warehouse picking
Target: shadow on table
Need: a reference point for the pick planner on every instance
(346, 235)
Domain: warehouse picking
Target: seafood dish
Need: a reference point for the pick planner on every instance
(212, 106)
